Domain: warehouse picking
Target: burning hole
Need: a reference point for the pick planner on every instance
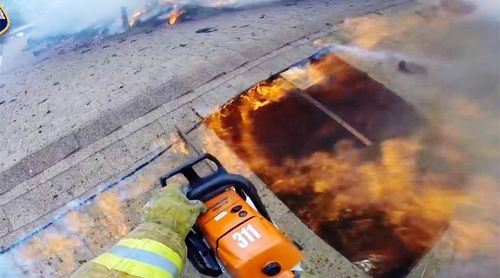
(352, 159)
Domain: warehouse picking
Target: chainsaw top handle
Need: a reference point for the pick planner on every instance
(205, 188)
(190, 174)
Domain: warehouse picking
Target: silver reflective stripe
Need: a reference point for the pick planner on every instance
(146, 257)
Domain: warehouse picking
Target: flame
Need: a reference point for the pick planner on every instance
(77, 222)
(178, 145)
(175, 16)
(135, 16)
(110, 204)
(370, 31)
(50, 253)
(399, 189)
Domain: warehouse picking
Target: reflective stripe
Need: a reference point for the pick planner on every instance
(154, 247)
(131, 267)
(145, 257)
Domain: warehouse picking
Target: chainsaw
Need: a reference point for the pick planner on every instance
(235, 235)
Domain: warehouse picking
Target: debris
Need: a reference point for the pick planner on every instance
(206, 30)
(43, 101)
(56, 83)
(411, 68)
(182, 45)
(372, 264)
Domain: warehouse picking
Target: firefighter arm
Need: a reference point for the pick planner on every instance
(156, 247)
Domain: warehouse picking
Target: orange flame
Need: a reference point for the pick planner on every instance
(400, 189)
(175, 16)
(110, 205)
(51, 253)
(132, 21)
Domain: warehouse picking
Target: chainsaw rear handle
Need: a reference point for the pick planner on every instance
(204, 188)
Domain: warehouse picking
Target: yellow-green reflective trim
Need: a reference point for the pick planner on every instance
(155, 247)
(131, 267)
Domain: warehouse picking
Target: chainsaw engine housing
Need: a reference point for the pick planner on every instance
(236, 228)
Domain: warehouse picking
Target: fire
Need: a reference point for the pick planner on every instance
(132, 21)
(393, 192)
(77, 222)
(50, 253)
(110, 204)
(178, 145)
(175, 16)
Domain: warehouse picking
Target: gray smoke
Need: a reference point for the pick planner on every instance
(66, 17)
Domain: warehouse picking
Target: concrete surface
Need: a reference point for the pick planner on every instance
(89, 142)
(87, 148)
(79, 97)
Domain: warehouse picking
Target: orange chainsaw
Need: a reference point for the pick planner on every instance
(235, 235)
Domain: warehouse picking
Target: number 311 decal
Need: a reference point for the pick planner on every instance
(247, 235)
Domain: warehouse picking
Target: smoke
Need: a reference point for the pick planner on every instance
(62, 17)
(489, 8)
(65, 17)
(458, 43)
(485, 9)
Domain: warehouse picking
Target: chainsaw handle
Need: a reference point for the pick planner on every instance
(205, 188)
(190, 174)
(221, 183)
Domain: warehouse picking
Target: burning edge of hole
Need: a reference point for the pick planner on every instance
(415, 122)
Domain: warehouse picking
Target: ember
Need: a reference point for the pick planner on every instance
(382, 205)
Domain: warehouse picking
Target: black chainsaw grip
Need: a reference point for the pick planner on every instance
(201, 256)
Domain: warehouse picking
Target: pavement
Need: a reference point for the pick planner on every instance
(89, 132)
(70, 197)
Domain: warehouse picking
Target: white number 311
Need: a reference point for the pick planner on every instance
(247, 234)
